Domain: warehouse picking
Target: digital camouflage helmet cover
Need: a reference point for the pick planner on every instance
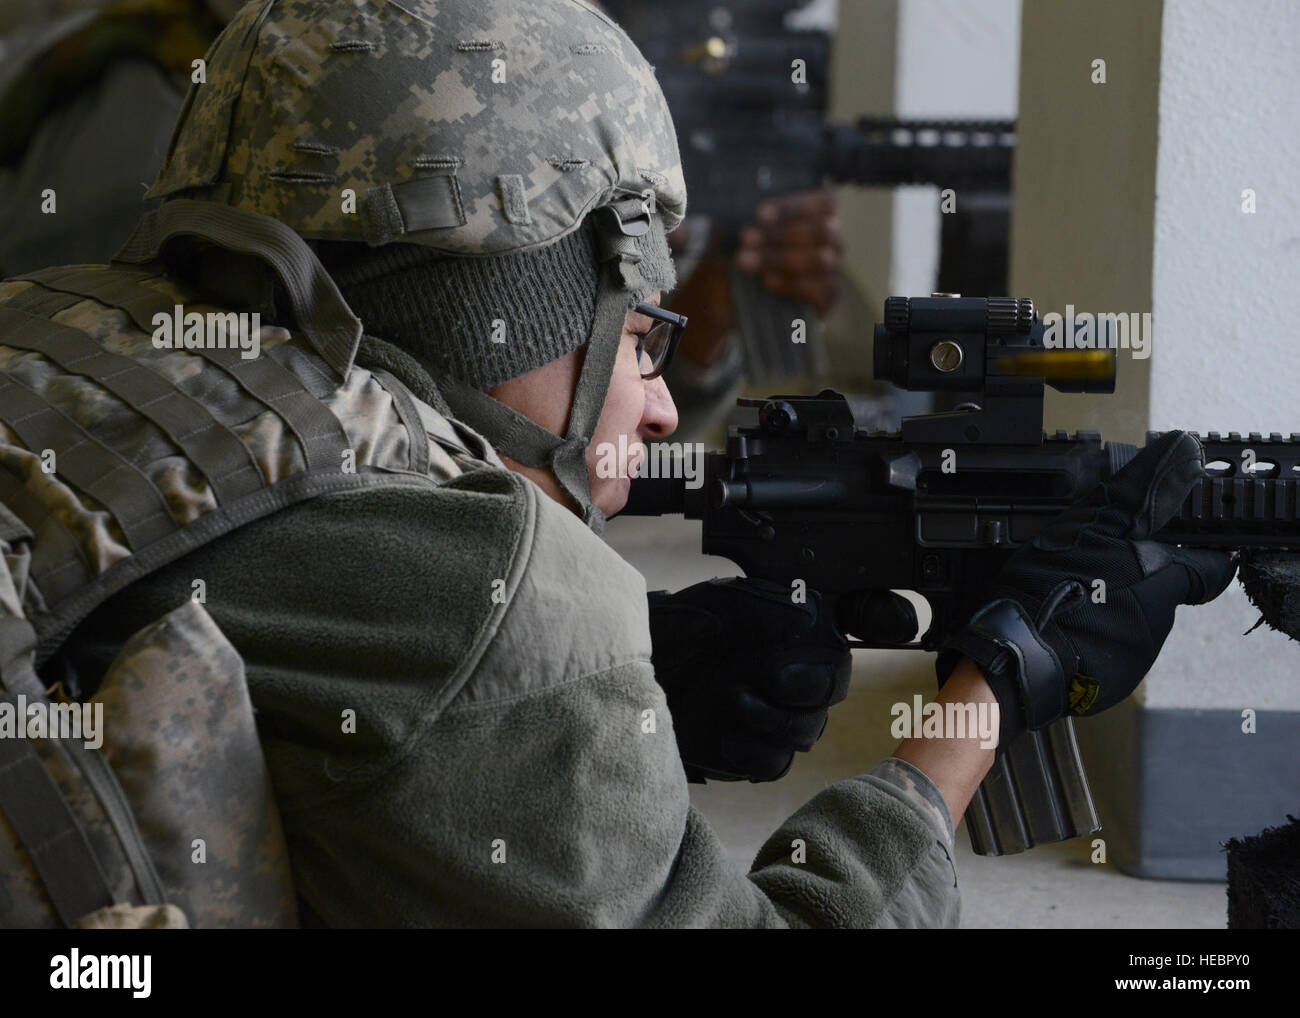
(475, 128)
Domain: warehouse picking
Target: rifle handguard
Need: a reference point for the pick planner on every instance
(1024, 673)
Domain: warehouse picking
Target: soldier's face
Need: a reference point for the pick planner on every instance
(635, 411)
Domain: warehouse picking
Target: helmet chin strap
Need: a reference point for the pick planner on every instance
(527, 442)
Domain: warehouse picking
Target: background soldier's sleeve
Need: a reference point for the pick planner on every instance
(77, 190)
(512, 760)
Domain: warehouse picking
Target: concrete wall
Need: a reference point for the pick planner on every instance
(956, 59)
(915, 58)
(918, 58)
(1085, 181)
(1128, 197)
(1224, 294)
(1195, 108)
(863, 71)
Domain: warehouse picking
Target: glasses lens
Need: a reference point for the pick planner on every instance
(655, 347)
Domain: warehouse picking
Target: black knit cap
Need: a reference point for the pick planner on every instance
(483, 320)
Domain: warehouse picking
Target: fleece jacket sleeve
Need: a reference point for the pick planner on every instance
(457, 706)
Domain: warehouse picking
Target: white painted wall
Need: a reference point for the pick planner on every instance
(955, 59)
(915, 58)
(1128, 198)
(1224, 292)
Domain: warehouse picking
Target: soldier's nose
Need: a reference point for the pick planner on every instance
(660, 417)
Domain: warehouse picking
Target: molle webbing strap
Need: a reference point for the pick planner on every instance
(118, 288)
(101, 780)
(318, 431)
(62, 570)
(43, 303)
(33, 803)
(321, 313)
(55, 625)
(98, 774)
(89, 465)
(49, 831)
(217, 451)
(29, 798)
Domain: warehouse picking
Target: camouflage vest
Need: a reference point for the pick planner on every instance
(117, 457)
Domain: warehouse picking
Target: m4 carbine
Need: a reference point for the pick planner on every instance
(748, 83)
(938, 506)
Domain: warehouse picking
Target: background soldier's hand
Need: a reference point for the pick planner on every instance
(795, 247)
(749, 674)
(1045, 645)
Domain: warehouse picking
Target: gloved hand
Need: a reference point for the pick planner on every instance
(1045, 646)
(749, 674)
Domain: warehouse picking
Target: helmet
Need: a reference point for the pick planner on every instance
(473, 127)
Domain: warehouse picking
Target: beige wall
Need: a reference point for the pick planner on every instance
(1085, 177)
(1128, 198)
(862, 82)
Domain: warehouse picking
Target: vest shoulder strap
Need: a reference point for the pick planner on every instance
(134, 429)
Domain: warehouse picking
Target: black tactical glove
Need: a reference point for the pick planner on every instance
(749, 673)
(1047, 641)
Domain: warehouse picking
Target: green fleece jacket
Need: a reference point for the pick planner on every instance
(451, 687)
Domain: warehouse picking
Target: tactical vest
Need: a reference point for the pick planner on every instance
(116, 458)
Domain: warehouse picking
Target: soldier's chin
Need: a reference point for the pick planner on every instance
(611, 494)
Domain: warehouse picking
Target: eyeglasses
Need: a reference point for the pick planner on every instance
(660, 343)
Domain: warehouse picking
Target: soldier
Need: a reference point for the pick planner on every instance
(85, 119)
(394, 509)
